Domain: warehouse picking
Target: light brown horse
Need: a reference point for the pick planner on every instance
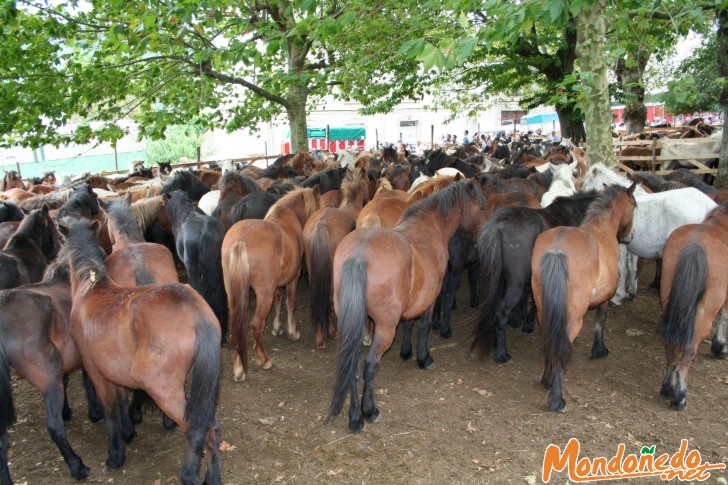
(151, 338)
(393, 274)
(575, 269)
(694, 294)
(322, 234)
(265, 255)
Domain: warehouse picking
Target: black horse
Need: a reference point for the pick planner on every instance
(505, 246)
(327, 180)
(10, 212)
(30, 248)
(187, 182)
(461, 255)
(252, 206)
(198, 240)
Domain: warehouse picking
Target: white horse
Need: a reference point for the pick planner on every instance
(448, 171)
(697, 148)
(655, 217)
(209, 201)
(562, 184)
(346, 158)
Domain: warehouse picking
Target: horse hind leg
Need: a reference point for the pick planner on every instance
(277, 329)
(291, 294)
(263, 302)
(405, 350)
(212, 452)
(54, 401)
(599, 350)
(383, 338)
(703, 323)
(556, 398)
(424, 359)
(719, 347)
(621, 294)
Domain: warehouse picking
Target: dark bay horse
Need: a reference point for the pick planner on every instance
(393, 274)
(28, 251)
(575, 269)
(35, 340)
(10, 212)
(198, 239)
(265, 255)
(694, 287)
(84, 203)
(322, 234)
(151, 338)
(505, 248)
(186, 182)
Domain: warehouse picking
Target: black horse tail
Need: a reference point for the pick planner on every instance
(207, 277)
(200, 409)
(7, 411)
(555, 344)
(491, 284)
(352, 319)
(237, 287)
(677, 323)
(320, 278)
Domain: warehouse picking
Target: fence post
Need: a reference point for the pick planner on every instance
(654, 151)
(199, 157)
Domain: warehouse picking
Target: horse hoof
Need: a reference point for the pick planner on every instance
(374, 417)
(474, 303)
(614, 303)
(435, 325)
(528, 328)
(81, 473)
(367, 340)
(356, 426)
(294, 336)
(238, 376)
(503, 359)
(559, 406)
(405, 357)
(718, 349)
(446, 334)
(600, 353)
(268, 364)
(167, 423)
(655, 286)
(321, 345)
(679, 405)
(427, 364)
(95, 416)
(277, 332)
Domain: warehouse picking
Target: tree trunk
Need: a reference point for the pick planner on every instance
(590, 40)
(296, 112)
(721, 181)
(297, 96)
(630, 80)
(572, 124)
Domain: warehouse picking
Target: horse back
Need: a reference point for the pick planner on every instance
(142, 264)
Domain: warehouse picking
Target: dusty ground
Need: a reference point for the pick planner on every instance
(463, 422)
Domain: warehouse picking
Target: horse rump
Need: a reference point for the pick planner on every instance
(677, 323)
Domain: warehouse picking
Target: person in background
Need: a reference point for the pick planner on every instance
(466, 138)
(554, 138)
(448, 139)
(454, 140)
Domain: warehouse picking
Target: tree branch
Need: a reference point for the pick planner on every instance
(207, 70)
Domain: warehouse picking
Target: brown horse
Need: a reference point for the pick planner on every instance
(322, 234)
(36, 341)
(265, 255)
(575, 269)
(695, 284)
(151, 338)
(393, 274)
(12, 180)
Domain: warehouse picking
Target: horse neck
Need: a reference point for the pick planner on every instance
(123, 240)
(287, 217)
(180, 213)
(606, 222)
(24, 234)
(355, 203)
(447, 223)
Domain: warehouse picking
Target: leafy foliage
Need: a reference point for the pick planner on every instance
(696, 85)
(179, 141)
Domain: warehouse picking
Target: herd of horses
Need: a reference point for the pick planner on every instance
(90, 278)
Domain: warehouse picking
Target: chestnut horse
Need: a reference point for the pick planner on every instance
(12, 180)
(25, 256)
(265, 255)
(322, 234)
(35, 339)
(575, 269)
(694, 287)
(151, 338)
(393, 274)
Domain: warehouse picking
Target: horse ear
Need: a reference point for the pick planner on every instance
(632, 188)
(316, 191)
(63, 229)
(127, 199)
(95, 225)
(459, 176)
(45, 209)
(470, 186)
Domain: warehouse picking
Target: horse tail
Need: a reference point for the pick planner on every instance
(677, 323)
(555, 344)
(352, 319)
(490, 288)
(207, 278)
(320, 278)
(371, 220)
(201, 405)
(237, 286)
(7, 412)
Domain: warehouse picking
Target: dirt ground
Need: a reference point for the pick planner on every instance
(464, 421)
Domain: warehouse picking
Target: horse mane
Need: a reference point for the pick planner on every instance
(429, 187)
(118, 211)
(327, 180)
(281, 187)
(383, 185)
(443, 201)
(248, 184)
(542, 178)
(179, 206)
(302, 162)
(52, 199)
(145, 211)
(602, 202)
(649, 180)
(82, 246)
(514, 171)
(187, 182)
(82, 197)
(497, 182)
(352, 185)
(293, 197)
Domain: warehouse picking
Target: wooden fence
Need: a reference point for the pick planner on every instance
(199, 163)
(653, 162)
